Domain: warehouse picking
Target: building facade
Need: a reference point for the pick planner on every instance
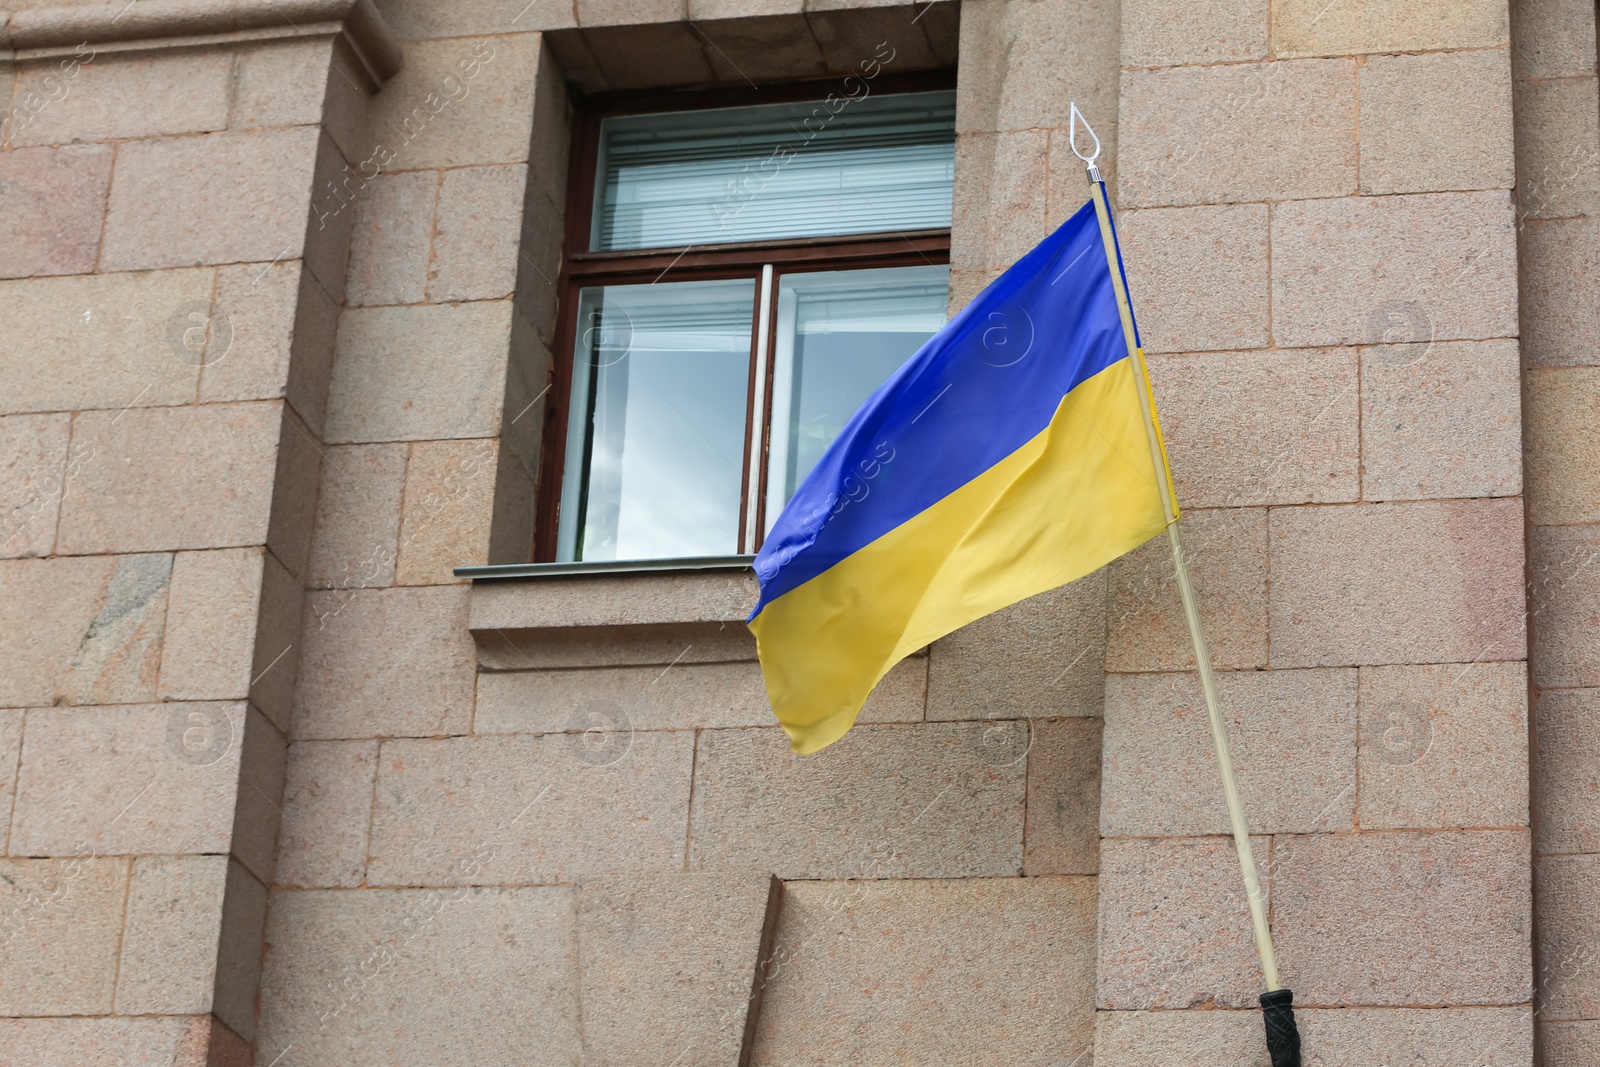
(286, 336)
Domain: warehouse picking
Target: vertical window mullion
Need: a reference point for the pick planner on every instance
(759, 414)
(779, 447)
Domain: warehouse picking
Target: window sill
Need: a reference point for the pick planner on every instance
(591, 614)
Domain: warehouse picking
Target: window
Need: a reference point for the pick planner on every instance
(739, 278)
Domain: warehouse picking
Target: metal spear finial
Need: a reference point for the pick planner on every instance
(1072, 140)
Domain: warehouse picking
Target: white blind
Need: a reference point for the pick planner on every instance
(876, 164)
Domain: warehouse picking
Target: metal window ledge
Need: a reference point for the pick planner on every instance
(503, 571)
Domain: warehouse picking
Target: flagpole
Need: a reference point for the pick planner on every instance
(1283, 1038)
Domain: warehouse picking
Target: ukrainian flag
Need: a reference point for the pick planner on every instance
(1010, 455)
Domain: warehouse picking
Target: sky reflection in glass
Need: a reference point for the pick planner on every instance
(655, 450)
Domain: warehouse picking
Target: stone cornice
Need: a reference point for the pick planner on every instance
(150, 25)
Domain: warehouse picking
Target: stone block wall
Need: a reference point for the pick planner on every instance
(596, 749)
(1558, 205)
(170, 303)
(1322, 241)
(276, 341)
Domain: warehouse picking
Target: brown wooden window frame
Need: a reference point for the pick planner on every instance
(581, 268)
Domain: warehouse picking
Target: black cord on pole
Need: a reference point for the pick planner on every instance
(1283, 1036)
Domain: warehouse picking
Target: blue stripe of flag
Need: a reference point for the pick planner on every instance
(981, 388)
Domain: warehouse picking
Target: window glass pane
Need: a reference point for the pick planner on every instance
(656, 439)
(873, 164)
(840, 335)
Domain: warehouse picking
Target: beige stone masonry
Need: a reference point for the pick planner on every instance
(1023, 65)
(1173, 931)
(1559, 173)
(1061, 835)
(654, 621)
(658, 645)
(209, 645)
(1345, 1037)
(327, 809)
(277, 341)
(301, 81)
(1564, 606)
(1351, 216)
(1042, 658)
(64, 923)
(390, 240)
(941, 800)
(10, 753)
(1568, 986)
(295, 480)
(167, 356)
(1313, 27)
(1198, 276)
(356, 539)
(443, 523)
(101, 643)
(257, 811)
(643, 44)
(624, 55)
(179, 93)
(997, 216)
(1561, 292)
(276, 660)
(1567, 804)
(1569, 1044)
(1155, 34)
(354, 974)
(1251, 428)
(1563, 445)
(767, 47)
(419, 373)
(546, 815)
(525, 810)
(154, 221)
(1551, 38)
(1436, 122)
(479, 230)
(887, 966)
(239, 950)
(64, 193)
(146, 778)
(43, 31)
(606, 601)
(1558, 193)
(33, 479)
(169, 952)
(415, 20)
(213, 464)
(627, 12)
(1446, 589)
(460, 102)
(1294, 745)
(676, 696)
(1352, 270)
(1453, 924)
(1232, 133)
(121, 330)
(170, 1039)
(1441, 421)
(686, 958)
(1443, 747)
(384, 663)
(1228, 555)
